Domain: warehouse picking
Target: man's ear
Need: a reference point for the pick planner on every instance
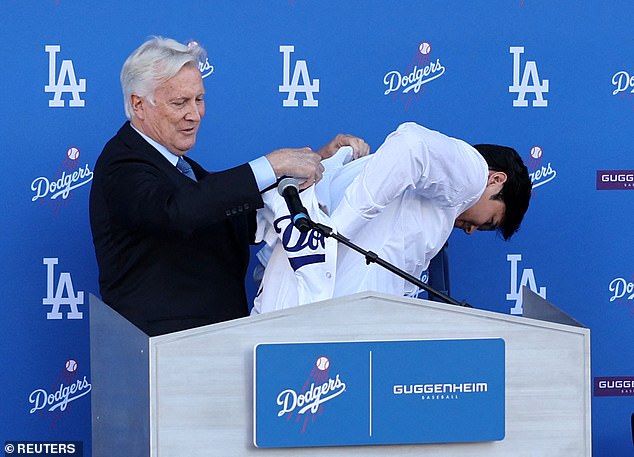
(497, 177)
(138, 106)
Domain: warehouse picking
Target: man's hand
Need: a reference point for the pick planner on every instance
(305, 164)
(300, 163)
(359, 147)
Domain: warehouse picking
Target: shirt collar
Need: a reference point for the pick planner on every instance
(172, 158)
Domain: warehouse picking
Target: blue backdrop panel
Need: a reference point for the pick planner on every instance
(479, 61)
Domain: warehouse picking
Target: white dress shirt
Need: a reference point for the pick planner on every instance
(400, 202)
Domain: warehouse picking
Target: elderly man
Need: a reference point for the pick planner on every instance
(171, 239)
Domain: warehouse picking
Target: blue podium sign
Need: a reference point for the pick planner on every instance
(383, 392)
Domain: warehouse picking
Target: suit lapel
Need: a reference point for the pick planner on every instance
(136, 142)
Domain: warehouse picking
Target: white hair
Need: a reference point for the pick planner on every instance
(153, 63)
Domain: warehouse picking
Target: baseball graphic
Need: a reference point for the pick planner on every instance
(322, 363)
(536, 152)
(424, 48)
(73, 153)
(71, 365)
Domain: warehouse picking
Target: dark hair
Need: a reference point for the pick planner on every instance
(516, 192)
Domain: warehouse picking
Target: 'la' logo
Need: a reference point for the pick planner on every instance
(529, 75)
(293, 86)
(58, 83)
(528, 279)
(64, 294)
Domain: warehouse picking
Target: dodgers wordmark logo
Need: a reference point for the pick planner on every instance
(69, 386)
(311, 399)
(70, 176)
(421, 70)
(529, 81)
(64, 81)
(42, 399)
(527, 279)
(320, 387)
(63, 294)
(292, 85)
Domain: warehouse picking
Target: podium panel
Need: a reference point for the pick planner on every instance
(379, 392)
(200, 381)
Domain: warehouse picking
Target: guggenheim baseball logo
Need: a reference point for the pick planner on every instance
(614, 386)
(615, 180)
(319, 388)
(440, 391)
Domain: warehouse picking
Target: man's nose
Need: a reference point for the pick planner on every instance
(193, 112)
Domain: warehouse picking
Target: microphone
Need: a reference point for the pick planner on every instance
(289, 189)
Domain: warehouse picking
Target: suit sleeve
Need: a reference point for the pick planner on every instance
(140, 193)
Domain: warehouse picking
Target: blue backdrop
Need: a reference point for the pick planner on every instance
(551, 78)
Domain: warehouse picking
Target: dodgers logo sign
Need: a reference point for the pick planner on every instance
(63, 294)
(56, 401)
(527, 81)
(63, 82)
(58, 189)
(527, 278)
(299, 82)
(309, 401)
(422, 70)
(386, 392)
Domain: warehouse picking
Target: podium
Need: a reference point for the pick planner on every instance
(190, 393)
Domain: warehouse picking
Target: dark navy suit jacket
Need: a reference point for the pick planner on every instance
(172, 253)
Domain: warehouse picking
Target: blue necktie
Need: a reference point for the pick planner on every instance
(184, 168)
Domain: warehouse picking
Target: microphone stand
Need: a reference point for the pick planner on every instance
(371, 257)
